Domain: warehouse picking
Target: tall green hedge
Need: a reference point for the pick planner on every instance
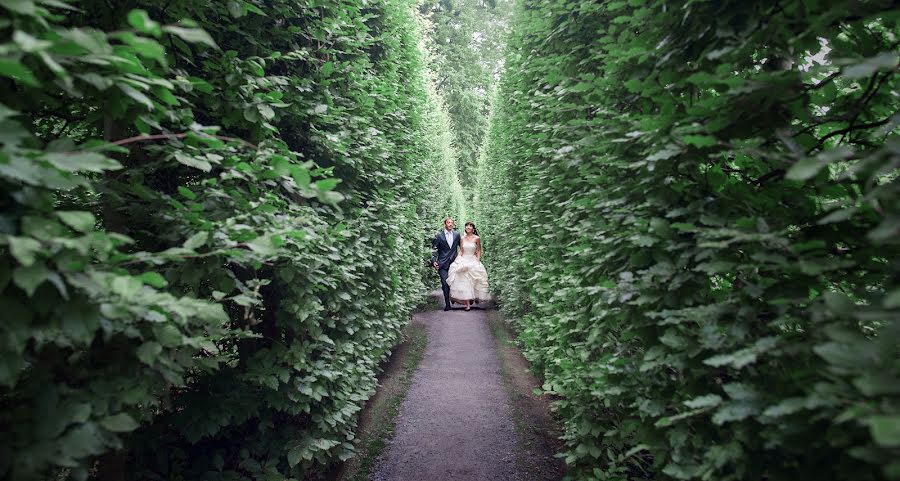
(446, 196)
(211, 230)
(692, 210)
(464, 38)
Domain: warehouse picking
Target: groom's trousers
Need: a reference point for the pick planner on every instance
(444, 286)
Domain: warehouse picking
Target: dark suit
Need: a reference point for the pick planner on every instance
(444, 255)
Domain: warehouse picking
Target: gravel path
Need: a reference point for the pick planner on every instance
(456, 422)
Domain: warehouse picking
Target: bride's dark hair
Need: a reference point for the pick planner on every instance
(474, 229)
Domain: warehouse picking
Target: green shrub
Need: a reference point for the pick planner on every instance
(217, 307)
(692, 210)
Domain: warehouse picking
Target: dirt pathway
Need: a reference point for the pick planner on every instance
(456, 422)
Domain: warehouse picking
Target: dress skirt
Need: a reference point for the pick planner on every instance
(468, 280)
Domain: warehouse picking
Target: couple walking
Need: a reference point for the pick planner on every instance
(457, 259)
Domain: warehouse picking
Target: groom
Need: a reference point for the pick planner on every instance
(443, 253)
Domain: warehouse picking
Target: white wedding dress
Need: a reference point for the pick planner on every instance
(467, 276)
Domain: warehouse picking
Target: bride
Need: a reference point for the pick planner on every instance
(467, 277)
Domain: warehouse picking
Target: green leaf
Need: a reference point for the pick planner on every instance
(633, 85)
(809, 167)
(325, 444)
(300, 175)
(6, 112)
(140, 21)
(786, 407)
(669, 151)
(24, 7)
(81, 441)
(235, 9)
(885, 430)
(137, 96)
(715, 54)
(79, 220)
(681, 471)
(327, 68)
(263, 245)
(148, 352)
(82, 161)
(191, 35)
(294, 456)
(251, 114)
(13, 69)
(839, 215)
(119, 423)
(892, 299)
(147, 48)
(194, 162)
(327, 184)
(28, 43)
(126, 286)
(742, 357)
(877, 383)
(709, 400)
(839, 303)
(186, 193)
(24, 249)
(59, 4)
(201, 85)
(168, 335)
(330, 197)
(153, 279)
(805, 169)
(197, 240)
(699, 141)
(266, 111)
(253, 8)
(166, 96)
(30, 277)
(243, 300)
(733, 412)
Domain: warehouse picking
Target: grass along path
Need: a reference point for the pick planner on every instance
(376, 424)
(537, 429)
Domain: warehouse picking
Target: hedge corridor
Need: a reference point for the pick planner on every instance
(214, 222)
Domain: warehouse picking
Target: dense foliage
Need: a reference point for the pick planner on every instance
(212, 226)
(464, 39)
(692, 210)
(446, 195)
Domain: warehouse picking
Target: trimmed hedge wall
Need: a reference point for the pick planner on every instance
(211, 231)
(691, 210)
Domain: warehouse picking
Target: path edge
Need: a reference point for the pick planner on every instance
(538, 429)
(378, 418)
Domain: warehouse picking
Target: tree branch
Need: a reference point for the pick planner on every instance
(773, 174)
(824, 81)
(847, 130)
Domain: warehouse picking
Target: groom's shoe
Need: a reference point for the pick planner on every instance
(447, 307)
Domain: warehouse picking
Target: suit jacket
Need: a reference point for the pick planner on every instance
(442, 253)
